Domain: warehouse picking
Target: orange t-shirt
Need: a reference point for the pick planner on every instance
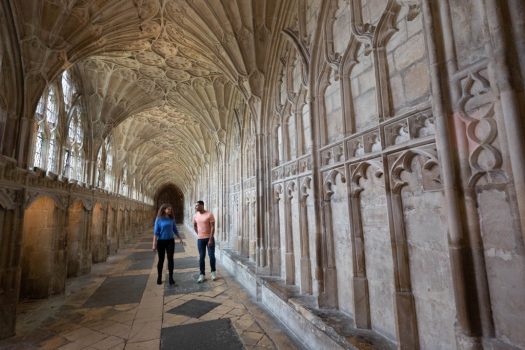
(204, 223)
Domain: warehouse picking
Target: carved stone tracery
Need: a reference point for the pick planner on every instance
(477, 111)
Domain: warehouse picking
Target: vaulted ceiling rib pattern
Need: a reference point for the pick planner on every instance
(164, 77)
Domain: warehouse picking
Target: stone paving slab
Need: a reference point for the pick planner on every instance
(186, 283)
(213, 335)
(117, 308)
(179, 248)
(194, 308)
(118, 290)
(141, 260)
(139, 256)
(186, 263)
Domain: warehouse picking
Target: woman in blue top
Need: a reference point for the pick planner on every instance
(164, 240)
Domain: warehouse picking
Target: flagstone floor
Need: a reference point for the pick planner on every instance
(120, 306)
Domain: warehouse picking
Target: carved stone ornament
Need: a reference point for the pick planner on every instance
(59, 200)
(404, 161)
(304, 54)
(306, 186)
(330, 181)
(290, 189)
(477, 110)
(88, 204)
(359, 172)
(8, 199)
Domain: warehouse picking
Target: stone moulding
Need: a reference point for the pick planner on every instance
(410, 130)
(293, 169)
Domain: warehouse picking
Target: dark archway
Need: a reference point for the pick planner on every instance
(171, 194)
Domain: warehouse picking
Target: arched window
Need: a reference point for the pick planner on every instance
(45, 147)
(73, 152)
(124, 181)
(39, 146)
(101, 167)
(110, 179)
(134, 193)
(58, 109)
(52, 153)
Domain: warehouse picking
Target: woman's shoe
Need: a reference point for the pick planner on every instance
(172, 281)
(159, 280)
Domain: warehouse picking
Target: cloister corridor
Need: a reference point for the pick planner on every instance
(364, 161)
(118, 305)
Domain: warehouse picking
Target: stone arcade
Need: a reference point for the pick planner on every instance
(365, 159)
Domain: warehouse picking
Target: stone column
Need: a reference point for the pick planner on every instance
(360, 280)
(465, 246)
(306, 270)
(328, 298)
(11, 84)
(289, 254)
(10, 250)
(245, 233)
(506, 49)
(315, 114)
(262, 203)
(405, 307)
(252, 248)
(242, 204)
(9, 129)
(59, 267)
(275, 233)
(85, 245)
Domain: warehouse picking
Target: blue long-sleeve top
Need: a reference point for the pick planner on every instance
(165, 228)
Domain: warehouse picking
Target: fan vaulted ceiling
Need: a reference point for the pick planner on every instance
(163, 76)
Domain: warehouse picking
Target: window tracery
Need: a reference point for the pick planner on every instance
(59, 134)
(101, 171)
(109, 178)
(73, 158)
(124, 181)
(47, 113)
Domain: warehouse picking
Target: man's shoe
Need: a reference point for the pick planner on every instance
(201, 279)
(213, 276)
(159, 280)
(172, 281)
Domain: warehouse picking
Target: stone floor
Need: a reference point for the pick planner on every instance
(120, 306)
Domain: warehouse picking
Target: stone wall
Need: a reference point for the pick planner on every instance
(393, 111)
(41, 236)
(98, 236)
(76, 239)
(50, 232)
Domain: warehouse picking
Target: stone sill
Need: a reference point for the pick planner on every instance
(314, 328)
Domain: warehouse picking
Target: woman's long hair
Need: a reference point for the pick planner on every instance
(162, 208)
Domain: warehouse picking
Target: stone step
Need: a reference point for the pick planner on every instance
(313, 327)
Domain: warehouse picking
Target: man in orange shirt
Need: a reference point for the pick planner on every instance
(204, 226)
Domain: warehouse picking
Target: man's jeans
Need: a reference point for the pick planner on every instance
(202, 244)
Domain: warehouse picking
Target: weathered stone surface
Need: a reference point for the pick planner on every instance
(368, 153)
